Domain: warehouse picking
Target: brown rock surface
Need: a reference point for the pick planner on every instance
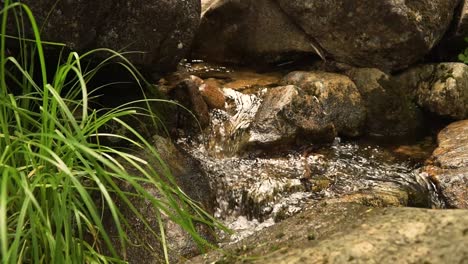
(449, 164)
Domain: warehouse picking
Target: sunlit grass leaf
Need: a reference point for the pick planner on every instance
(57, 179)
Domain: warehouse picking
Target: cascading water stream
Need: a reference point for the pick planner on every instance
(256, 188)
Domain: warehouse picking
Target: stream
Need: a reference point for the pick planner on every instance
(256, 188)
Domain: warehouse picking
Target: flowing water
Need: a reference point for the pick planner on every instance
(257, 188)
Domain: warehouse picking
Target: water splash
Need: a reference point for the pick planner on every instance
(258, 188)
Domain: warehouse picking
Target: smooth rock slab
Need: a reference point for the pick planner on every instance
(449, 164)
(352, 233)
(390, 235)
(440, 88)
(385, 34)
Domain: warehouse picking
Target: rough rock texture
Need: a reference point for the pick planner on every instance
(449, 164)
(351, 233)
(390, 111)
(385, 34)
(193, 181)
(243, 31)
(337, 94)
(163, 30)
(287, 114)
(440, 88)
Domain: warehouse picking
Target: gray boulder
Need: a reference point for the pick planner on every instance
(337, 94)
(287, 114)
(390, 111)
(245, 31)
(448, 165)
(440, 88)
(162, 31)
(385, 34)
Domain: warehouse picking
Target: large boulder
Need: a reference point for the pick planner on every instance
(449, 164)
(390, 111)
(337, 94)
(385, 34)
(439, 88)
(245, 31)
(161, 31)
(352, 233)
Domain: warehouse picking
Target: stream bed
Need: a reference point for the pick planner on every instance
(254, 192)
(255, 188)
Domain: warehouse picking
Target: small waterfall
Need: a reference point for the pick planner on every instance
(257, 188)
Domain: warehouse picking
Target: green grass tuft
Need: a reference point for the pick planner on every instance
(56, 177)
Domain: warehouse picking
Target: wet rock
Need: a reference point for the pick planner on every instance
(188, 94)
(439, 88)
(383, 34)
(209, 90)
(339, 97)
(390, 111)
(212, 95)
(189, 176)
(161, 31)
(244, 80)
(449, 164)
(347, 232)
(244, 31)
(287, 114)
